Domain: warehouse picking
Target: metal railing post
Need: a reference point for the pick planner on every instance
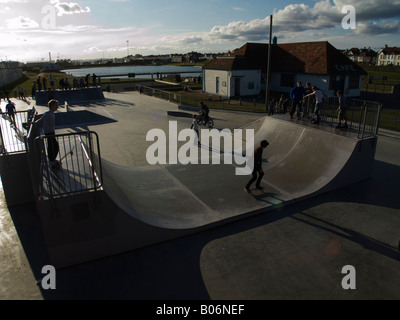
(364, 121)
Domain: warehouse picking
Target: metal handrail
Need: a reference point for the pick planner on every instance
(80, 171)
(13, 135)
(358, 111)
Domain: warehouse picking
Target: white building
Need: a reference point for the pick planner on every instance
(244, 73)
(389, 56)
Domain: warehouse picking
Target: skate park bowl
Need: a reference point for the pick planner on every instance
(301, 162)
(141, 206)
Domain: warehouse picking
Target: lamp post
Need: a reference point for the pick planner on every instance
(268, 66)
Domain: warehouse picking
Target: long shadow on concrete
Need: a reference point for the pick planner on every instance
(368, 243)
(82, 117)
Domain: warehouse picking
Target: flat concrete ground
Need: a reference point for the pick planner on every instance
(294, 252)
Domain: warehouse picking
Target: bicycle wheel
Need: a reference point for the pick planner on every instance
(210, 123)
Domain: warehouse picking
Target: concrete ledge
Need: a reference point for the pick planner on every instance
(71, 96)
(16, 179)
(189, 108)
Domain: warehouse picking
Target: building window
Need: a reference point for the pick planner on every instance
(354, 82)
(287, 80)
(251, 85)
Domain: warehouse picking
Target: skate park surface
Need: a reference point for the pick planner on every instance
(295, 251)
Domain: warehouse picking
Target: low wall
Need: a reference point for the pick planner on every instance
(71, 96)
(10, 75)
(16, 179)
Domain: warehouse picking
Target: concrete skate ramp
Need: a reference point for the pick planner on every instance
(303, 160)
(144, 206)
(300, 163)
(153, 196)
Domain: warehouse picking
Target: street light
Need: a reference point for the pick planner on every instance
(268, 67)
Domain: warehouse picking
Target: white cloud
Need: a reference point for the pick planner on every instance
(21, 23)
(77, 38)
(64, 8)
(324, 15)
(14, 1)
(4, 9)
(378, 27)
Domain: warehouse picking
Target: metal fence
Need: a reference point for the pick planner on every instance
(77, 156)
(77, 167)
(193, 99)
(161, 94)
(13, 130)
(362, 116)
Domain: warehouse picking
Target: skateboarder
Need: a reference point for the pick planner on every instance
(49, 124)
(319, 97)
(258, 172)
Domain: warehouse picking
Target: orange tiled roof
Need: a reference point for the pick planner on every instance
(306, 57)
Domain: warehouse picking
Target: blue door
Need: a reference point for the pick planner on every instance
(217, 83)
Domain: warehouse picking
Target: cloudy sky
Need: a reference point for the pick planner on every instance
(30, 29)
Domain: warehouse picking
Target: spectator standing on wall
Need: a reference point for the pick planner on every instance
(51, 79)
(297, 95)
(307, 101)
(44, 84)
(342, 110)
(34, 90)
(39, 84)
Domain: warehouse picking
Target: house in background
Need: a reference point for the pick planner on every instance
(365, 55)
(352, 54)
(389, 56)
(244, 72)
